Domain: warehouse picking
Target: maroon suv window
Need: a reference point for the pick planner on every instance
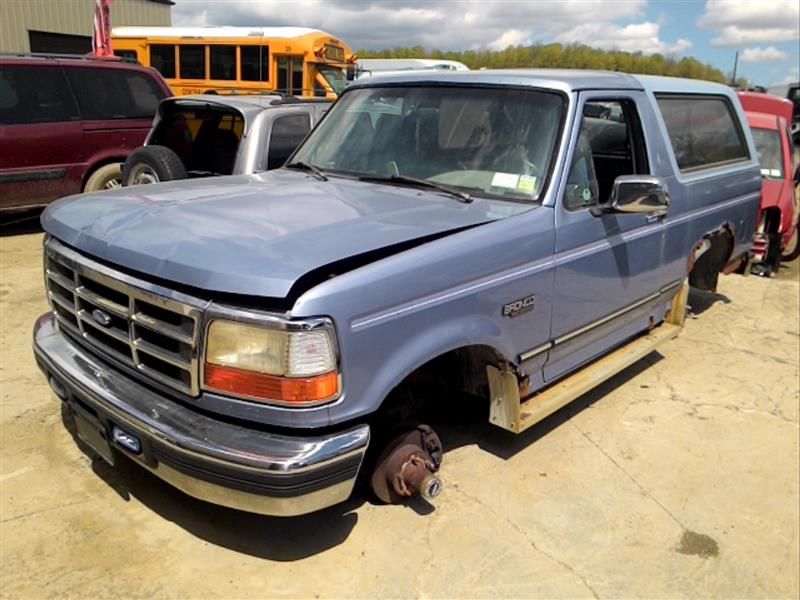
(35, 95)
(105, 93)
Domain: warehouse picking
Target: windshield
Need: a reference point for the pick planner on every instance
(770, 155)
(491, 141)
(335, 78)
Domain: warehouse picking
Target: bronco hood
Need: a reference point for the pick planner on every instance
(255, 234)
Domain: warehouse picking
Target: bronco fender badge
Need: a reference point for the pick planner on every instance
(523, 305)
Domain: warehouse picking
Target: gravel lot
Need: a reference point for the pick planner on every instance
(677, 478)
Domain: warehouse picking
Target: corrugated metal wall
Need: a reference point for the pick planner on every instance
(73, 17)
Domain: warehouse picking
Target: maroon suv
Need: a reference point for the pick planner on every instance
(68, 123)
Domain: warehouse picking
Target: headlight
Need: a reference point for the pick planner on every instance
(271, 365)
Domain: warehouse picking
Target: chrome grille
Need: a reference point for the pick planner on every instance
(154, 334)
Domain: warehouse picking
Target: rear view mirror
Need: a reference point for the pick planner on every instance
(636, 194)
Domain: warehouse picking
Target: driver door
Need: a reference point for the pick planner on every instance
(607, 267)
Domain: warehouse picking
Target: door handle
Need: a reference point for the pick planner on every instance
(654, 218)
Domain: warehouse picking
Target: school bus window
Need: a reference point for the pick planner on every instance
(334, 53)
(192, 62)
(127, 54)
(162, 59)
(255, 63)
(223, 62)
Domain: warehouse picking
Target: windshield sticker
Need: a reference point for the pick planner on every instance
(775, 172)
(765, 171)
(526, 184)
(505, 180)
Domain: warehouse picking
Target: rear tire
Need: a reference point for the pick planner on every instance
(152, 164)
(107, 177)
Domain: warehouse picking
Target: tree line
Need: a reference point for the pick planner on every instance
(574, 56)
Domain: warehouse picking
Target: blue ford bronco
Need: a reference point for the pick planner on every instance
(262, 341)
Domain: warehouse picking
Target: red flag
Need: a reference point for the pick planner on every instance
(101, 40)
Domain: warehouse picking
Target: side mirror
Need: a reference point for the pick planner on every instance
(350, 73)
(635, 194)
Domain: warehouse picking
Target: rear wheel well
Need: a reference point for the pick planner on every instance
(709, 257)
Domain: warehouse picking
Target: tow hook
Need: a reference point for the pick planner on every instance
(408, 466)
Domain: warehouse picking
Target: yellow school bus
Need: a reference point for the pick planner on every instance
(196, 60)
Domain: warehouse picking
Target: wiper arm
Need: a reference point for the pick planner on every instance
(302, 166)
(413, 181)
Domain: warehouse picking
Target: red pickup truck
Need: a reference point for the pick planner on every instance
(769, 118)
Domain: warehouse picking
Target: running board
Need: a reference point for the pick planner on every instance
(509, 412)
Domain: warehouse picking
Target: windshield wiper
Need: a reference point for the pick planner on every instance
(413, 181)
(302, 166)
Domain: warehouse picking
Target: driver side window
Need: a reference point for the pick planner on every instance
(610, 144)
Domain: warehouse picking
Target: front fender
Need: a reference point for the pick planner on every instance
(426, 345)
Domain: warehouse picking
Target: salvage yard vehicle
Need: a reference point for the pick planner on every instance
(194, 60)
(790, 92)
(261, 341)
(67, 123)
(769, 118)
(198, 136)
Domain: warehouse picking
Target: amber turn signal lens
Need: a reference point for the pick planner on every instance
(271, 388)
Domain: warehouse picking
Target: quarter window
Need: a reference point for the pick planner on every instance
(162, 59)
(192, 62)
(287, 133)
(703, 130)
(223, 62)
(105, 93)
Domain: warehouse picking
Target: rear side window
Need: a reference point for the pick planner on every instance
(35, 95)
(703, 130)
(114, 93)
(770, 152)
(287, 133)
(162, 59)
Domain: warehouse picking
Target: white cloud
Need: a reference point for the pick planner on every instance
(733, 35)
(763, 55)
(512, 37)
(442, 24)
(197, 19)
(742, 22)
(680, 46)
(636, 37)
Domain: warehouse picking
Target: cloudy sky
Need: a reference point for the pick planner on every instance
(765, 32)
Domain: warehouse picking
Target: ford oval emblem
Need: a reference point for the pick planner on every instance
(101, 317)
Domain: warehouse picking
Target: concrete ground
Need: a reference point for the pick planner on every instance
(678, 478)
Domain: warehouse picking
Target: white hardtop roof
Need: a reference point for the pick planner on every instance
(399, 64)
(218, 32)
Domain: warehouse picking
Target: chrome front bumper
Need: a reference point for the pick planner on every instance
(216, 461)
